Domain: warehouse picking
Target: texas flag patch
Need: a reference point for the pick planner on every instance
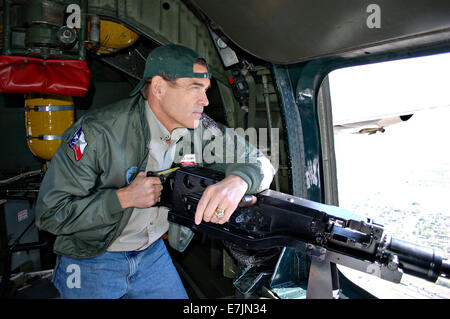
(78, 143)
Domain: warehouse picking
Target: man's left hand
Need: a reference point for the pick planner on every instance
(222, 196)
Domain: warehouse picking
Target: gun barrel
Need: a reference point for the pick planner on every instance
(420, 261)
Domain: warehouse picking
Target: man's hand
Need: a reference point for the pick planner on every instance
(141, 193)
(225, 195)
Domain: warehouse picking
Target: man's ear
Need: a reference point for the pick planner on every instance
(158, 87)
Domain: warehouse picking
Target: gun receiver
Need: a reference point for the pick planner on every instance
(322, 231)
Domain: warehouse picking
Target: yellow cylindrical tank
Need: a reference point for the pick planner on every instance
(46, 119)
(113, 37)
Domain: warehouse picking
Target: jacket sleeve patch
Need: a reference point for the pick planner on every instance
(78, 143)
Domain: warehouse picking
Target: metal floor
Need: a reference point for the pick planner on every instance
(39, 289)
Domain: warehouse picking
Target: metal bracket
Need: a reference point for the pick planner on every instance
(320, 280)
(323, 281)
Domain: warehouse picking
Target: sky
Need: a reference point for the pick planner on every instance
(406, 168)
(394, 87)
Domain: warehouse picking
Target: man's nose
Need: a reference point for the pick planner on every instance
(204, 99)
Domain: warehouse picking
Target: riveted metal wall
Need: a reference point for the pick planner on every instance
(163, 21)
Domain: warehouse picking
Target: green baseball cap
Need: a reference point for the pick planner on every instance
(173, 61)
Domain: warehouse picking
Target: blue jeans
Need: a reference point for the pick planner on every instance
(149, 273)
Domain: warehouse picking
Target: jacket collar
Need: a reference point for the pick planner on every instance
(139, 102)
(159, 131)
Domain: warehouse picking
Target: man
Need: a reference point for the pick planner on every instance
(98, 201)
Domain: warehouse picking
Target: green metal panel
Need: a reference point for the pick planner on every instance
(230, 102)
(306, 98)
(325, 115)
(298, 86)
(294, 131)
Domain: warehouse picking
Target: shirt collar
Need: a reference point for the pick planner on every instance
(158, 130)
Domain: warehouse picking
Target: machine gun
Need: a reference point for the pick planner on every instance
(329, 234)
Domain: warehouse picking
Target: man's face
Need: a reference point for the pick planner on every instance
(184, 100)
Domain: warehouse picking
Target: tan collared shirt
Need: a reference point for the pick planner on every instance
(146, 225)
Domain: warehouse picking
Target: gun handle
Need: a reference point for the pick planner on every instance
(247, 200)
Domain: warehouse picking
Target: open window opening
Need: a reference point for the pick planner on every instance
(391, 143)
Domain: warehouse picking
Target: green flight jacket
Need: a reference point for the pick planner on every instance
(77, 200)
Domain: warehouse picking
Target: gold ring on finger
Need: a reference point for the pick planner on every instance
(219, 212)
